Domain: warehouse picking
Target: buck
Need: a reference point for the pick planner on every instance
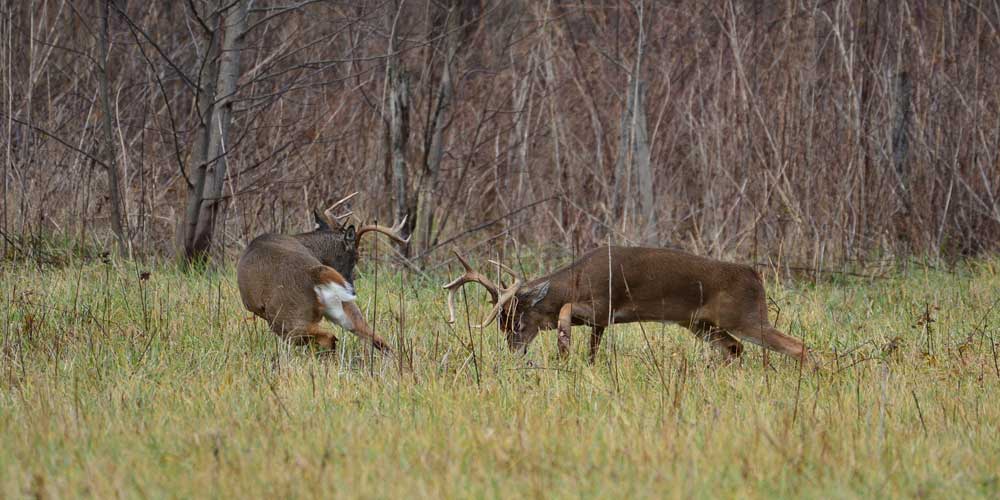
(294, 281)
(721, 302)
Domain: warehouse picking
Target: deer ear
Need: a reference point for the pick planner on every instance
(534, 294)
(321, 221)
(350, 235)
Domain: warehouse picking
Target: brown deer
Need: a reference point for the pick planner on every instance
(294, 281)
(720, 302)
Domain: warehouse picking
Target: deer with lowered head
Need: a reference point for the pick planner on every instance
(721, 302)
(294, 281)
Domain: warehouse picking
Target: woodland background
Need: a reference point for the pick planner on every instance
(819, 132)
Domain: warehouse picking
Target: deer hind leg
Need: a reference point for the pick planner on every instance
(595, 341)
(301, 334)
(564, 327)
(326, 340)
(720, 339)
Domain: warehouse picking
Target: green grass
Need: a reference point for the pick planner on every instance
(113, 386)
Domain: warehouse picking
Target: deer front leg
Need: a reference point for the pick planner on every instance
(721, 340)
(595, 341)
(357, 325)
(564, 327)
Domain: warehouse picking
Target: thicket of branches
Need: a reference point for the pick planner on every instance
(814, 130)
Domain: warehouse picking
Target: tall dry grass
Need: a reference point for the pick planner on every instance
(118, 383)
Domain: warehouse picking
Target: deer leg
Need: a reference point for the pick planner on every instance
(326, 340)
(564, 327)
(771, 338)
(595, 341)
(721, 340)
(293, 333)
(356, 324)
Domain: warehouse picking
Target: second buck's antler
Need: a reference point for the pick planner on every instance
(395, 232)
(500, 295)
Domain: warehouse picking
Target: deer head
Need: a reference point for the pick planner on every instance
(335, 242)
(513, 306)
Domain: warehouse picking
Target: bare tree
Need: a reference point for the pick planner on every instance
(900, 133)
(783, 128)
(434, 136)
(632, 168)
(398, 123)
(215, 100)
(110, 155)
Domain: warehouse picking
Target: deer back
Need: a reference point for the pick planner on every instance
(670, 283)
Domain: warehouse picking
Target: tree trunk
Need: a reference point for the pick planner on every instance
(204, 207)
(643, 169)
(623, 168)
(427, 190)
(399, 133)
(110, 157)
(633, 171)
(900, 134)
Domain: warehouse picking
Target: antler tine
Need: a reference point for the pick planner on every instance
(501, 296)
(394, 232)
(344, 216)
(504, 268)
(506, 294)
(462, 260)
(470, 276)
(341, 202)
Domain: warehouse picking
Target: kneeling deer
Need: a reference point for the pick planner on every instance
(720, 302)
(294, 281)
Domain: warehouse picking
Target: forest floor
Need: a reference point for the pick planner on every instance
(114, 382)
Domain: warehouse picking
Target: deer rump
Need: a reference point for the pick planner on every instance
(284, 284)
(273, 288)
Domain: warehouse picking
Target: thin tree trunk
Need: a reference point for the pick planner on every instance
(426, 193)
(199, 154)
(399, 134)
(212, 177)
(110, 157)
(634, 155)
(7, 79)
(643, 169)
(900, 134)
(621, 181)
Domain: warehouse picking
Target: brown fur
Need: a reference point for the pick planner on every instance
(277, 275)
(720, 302)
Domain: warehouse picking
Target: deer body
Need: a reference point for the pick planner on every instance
(294, 281)
(719, 301)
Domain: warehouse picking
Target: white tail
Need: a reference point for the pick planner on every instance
(332, 297)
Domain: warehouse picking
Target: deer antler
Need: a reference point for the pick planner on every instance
(500, 295)
(343, 200)
(394, 232)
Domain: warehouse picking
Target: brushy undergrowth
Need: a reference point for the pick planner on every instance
(115, 382)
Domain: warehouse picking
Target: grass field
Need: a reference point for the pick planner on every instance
(113, 385)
